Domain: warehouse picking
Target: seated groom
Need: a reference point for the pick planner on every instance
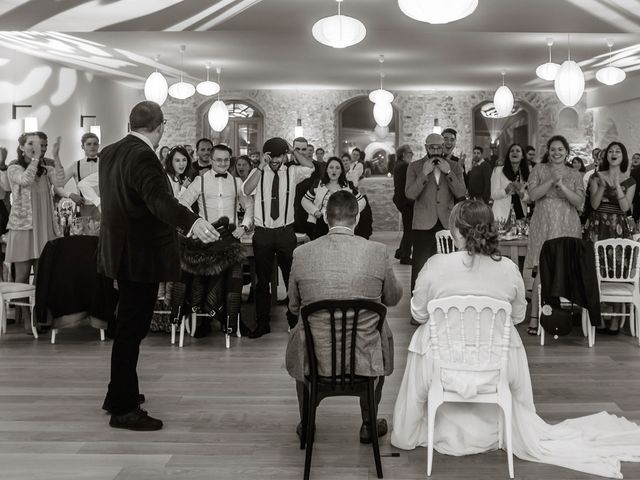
(342, 266)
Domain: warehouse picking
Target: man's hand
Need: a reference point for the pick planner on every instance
(186, 183)
(77, 198)
(204, 231)
(428, 167)
(3, 156)
(238, 232)
(265, 158)
(443, 166)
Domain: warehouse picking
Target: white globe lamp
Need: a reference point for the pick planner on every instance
(569, 83)
(156, 88)
(383, 113)
(218, 116)
(503, 100)
(610, 75)
(548, 71)
(437, 11)
(339, 31)
(207, 88)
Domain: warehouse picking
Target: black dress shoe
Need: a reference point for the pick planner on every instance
(203, 329)
(365, 434)
(244, 330)
(107, 402)
(137, 420)
(260, 331)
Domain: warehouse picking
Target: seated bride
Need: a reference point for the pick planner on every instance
(594, 444)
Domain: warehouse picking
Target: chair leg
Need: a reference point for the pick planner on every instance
(541, 330)
(305, 418)
(227, 340)
(373, 426)
(431, 419)
(3, 317)
(102, 337)
(623, 318)
(173, 334)
(311, 426)
(54, 332)
(32, 307)
(238, 334)
(182, 327)
(508, 435)
(585, 324)
(194, 318)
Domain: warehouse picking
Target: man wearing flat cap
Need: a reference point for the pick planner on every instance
(433, 182)
(273, 185)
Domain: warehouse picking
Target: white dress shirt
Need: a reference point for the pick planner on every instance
(220, 197)
(88, 188)
(295, 174)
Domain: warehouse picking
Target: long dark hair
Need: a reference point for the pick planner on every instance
(475, 222)
(168, 163)
(22, 140)
(625, 157)
(555, 138)
(507, 169)
(342, 179)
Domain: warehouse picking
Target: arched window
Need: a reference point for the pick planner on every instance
(243, 133)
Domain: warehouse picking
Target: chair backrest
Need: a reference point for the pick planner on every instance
(444, 242)
(470, 332)
(617, 260)
(343, 334)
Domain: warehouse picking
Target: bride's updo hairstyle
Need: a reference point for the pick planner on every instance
(474, 220)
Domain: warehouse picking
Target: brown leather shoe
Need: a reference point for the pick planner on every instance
(365, 434)
(137, 420)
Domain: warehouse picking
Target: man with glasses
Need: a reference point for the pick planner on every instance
(403, 204)
(433, 182)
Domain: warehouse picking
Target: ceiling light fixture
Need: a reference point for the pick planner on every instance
(437, 11)
(381, 95)
(218, 112)
(610, 75)
(208, 88)
(298, 131)
(339, 31)
(381, 98)
(548, 71)
(503, 99)
(436, 127)
(569, 82)
(182, 90)
(156, 87)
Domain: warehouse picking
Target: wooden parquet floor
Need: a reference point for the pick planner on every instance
(231, 414)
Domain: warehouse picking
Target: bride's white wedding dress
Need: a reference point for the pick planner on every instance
(594, 444)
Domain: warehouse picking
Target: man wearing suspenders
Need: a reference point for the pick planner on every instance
(273, 185)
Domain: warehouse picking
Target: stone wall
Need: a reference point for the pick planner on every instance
(620, 122)
(318, 111)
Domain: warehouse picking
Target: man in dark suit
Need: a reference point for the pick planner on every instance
(433, 182)
(402, 203)
(138, 247)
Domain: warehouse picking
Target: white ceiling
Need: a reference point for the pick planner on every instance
(268, 44)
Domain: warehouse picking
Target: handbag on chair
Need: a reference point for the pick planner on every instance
(555, 320)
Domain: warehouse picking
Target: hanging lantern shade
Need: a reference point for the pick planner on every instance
(437, 11)
(381, 96)
(548, 71)
(208, 88)
(156, 88)
(339, 31)
(503, 101)
(218, 116)
(181, 90)
(610, 75)
(569, 83)
(383, 113)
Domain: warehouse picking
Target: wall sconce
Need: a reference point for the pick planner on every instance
(436, 127)
(299, 131)
(95, 129)
(30, 123)
(82, 117)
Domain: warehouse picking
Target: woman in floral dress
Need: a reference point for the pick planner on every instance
(558, 192)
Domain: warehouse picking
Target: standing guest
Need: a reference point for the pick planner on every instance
(255, 159)
(5, 194)
(434, 183)
(635, 173)
(494, 158)
(138, 247)
(44, 145)
(355, 170)
(310, 151)
(80, 169)
(274, 238)
(162, 154)
(558, 193)
(31, 220)
(342, 266)
(597, 160)
(177, 164)
(203, 153)
(479, 177)
(450, 136)
(300, 147)
(189, 148)
(612, 193)
(635, 161)
(403, 204)
(316, 198)
(243, 167)
(508, 185)
(578, 164)
(530, 153)
(320, 154)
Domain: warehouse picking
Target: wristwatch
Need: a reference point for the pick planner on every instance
(245, 228)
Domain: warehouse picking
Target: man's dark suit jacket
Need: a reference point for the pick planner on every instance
(138, 238)
(400, 200)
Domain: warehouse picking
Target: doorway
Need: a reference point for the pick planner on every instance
(244, 132)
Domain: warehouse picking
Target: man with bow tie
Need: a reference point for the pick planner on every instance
(81, 169)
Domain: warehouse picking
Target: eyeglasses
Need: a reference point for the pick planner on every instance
(164, 122)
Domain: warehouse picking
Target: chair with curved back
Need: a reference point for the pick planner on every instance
(342, 320)
(444, 242)
(470, 360)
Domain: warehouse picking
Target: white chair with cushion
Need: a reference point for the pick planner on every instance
(444, 242)
(618, 274)
(9, 292)
(470, 339)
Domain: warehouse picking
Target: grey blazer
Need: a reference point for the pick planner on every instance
(342, 266)
(433, 201)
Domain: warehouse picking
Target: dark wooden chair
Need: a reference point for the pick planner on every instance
(341, 382)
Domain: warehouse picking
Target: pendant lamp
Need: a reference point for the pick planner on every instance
(339, 31)
(548, 71)
(182, 90)
(298, 131)
(569, 82)
(381, 95)
(437, 11)
(610, 75)
(503, 100)
(207, 88)
(156, 87)
(218, 112)
(383, 113)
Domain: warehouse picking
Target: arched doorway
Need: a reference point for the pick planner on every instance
(243, 133)
(357, 128)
